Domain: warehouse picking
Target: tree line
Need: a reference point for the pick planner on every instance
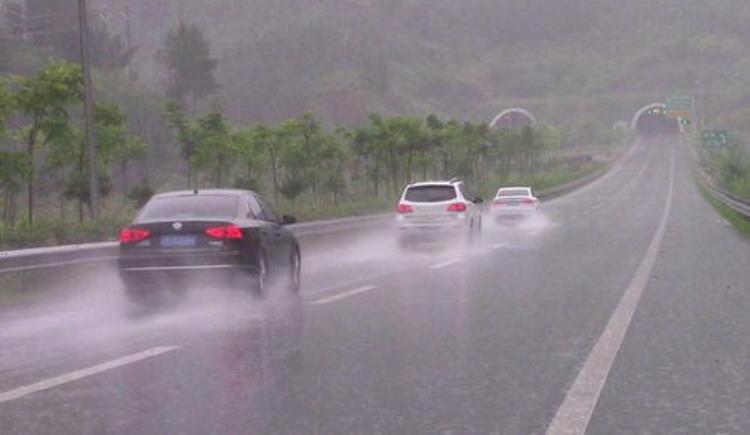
(43, 141)
(302, 156)
(287, 160)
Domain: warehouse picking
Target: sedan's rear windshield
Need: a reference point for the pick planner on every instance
(430, 193)
(513, 192)
(190, 207)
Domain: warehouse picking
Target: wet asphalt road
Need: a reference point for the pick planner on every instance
(438, 340)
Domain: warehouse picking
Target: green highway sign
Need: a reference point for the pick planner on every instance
(679, 106)
(714, 138)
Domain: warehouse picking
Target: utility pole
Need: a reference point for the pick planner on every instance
(129, 38)
(25, 21)
(88, 107)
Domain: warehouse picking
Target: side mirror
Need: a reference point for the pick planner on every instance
(288, 220)
(478, 200)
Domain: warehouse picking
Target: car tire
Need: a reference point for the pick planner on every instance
(295, 271)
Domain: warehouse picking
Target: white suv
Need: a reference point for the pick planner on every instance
(437, 208)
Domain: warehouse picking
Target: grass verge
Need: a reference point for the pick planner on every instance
(740, 222)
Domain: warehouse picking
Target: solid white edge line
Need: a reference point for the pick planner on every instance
(576, 410)
(80, 374)
(343, 295)
(445, 263)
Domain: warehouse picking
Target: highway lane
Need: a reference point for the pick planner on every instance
(683, 367)
(440, 340)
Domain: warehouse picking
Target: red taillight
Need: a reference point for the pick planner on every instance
(528, 202)
(232, 232)
(404, 208)
(457, 207)
(133, 235)
(501, 203)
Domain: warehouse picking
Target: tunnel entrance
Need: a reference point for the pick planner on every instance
(513, 118)
(652, 120)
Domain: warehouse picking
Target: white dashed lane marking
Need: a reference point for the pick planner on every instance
(80, 374)
(446, 263)
(346, 294)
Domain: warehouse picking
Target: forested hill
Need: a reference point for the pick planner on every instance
(465, 59)
(347, 57)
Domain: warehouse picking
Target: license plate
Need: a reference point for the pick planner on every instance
(178, 241)
(514, 203)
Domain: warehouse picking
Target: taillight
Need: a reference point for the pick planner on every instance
(133, 235)
(501, 202)
(528, 202)
(230, 232)
(404, 208)
(457, 207)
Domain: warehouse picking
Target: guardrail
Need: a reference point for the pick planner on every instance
(739, 205)
(41, 258)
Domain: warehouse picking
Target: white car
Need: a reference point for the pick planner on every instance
(438, 209)
(514, 202)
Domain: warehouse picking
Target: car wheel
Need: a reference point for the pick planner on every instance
(295, 269)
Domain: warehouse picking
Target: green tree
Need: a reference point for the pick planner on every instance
(190, 67)
(44, 101)
(269, 139)
(214, 145)
(303, 137)
(140, 193)
(363, 145)
(70, 150)
(295, 160)
(108, 51)
(332, 165)
(6, 107)
(134, 149)
(185, 133)
(396, 137)
(14, 169)
(246, 146)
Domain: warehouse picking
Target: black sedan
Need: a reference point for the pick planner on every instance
(204, 238)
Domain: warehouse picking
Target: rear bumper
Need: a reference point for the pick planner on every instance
(432, 223)
(429, 232)
(183, 269)
(513, 212)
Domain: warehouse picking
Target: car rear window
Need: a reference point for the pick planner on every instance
(190, 207)
(430, 193)
(514, 192)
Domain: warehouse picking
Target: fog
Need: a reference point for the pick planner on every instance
(619, 305)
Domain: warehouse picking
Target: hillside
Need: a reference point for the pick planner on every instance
(348, 57)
